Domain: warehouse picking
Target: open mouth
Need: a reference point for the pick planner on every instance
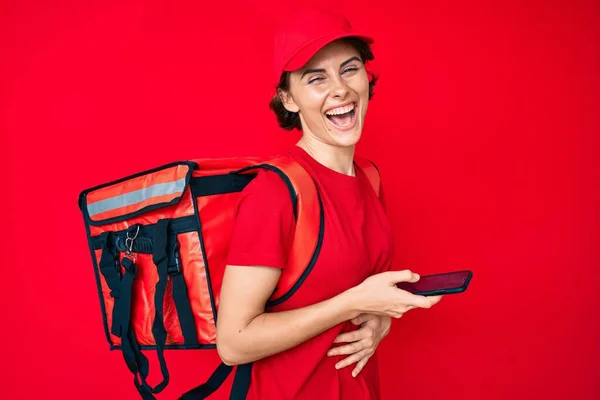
(342, 117)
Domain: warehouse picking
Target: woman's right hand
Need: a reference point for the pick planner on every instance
(378, 294)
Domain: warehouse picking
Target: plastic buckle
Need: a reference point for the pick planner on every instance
(175, 269)
(129, 264)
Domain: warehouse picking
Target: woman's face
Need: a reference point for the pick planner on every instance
(331, 94)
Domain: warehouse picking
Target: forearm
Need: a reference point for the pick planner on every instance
(274, 332)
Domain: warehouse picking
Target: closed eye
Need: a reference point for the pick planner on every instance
(347, 70)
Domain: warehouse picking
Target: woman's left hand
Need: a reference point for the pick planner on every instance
(362, 342)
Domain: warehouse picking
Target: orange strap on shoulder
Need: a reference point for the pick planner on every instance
(371, 171)
(308, 235)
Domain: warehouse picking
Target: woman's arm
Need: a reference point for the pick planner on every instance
(246, 333)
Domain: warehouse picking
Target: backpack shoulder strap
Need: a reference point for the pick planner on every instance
(309, 215)
(308, 235)
(371, 171)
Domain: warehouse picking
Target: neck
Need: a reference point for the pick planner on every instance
(339, 159)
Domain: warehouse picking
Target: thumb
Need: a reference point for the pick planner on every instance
(403, 276)
(361, 319)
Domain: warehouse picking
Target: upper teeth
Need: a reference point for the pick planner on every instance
(341, 110)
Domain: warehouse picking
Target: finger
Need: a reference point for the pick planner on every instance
(351, 359)
(360, 365)
(353, 336)
(402, 276)
(417, 301)
(422, 302)
(414, 278)
(362, 318)
(346, 349)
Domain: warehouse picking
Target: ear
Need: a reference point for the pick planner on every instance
(288, 101)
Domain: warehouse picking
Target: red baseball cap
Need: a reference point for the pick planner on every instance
(304, 33)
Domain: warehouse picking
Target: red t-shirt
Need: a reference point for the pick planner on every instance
(357, 243)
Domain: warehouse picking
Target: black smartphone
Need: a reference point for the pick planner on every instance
(436, 284)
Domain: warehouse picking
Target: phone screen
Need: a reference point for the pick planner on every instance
(437, 282)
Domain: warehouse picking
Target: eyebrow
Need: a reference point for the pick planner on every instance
(355, 58)
(309, 71)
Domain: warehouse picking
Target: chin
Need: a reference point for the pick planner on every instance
(345, 129)
(346, 140)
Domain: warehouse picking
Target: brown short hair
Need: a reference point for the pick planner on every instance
(290, 120)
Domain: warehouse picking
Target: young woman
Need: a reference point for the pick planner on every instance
(320, 343)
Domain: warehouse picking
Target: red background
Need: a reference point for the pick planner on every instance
(484, 124)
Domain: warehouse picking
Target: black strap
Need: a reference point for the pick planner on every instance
(164, 244)
(143, 388)
(161, 260)
(241, 382)
(180, 296)
(239, 389)
(165, 255)
(143, 242)
(220, 184)
(120, 290)
(210, 386)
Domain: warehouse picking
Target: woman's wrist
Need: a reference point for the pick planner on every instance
(349, 301)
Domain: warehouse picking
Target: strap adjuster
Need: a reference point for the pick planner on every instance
(129, 265)
(175, 269)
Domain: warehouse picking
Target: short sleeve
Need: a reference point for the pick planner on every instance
(264, 225)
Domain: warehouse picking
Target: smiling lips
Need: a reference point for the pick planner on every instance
(342, 117)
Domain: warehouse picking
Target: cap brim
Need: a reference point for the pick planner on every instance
(307, 52)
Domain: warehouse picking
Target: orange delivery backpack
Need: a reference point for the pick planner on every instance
(158, 242)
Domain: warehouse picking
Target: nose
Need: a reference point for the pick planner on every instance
(338, 88)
